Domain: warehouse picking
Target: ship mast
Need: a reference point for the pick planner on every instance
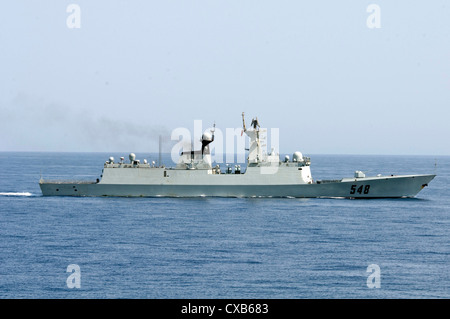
(159, 149)
(254, 155)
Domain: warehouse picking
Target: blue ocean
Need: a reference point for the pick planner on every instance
(262, 248)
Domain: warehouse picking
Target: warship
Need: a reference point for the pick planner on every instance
(265, 175)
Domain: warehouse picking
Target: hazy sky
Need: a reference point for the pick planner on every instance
(315, 70)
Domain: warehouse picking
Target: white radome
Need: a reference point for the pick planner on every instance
(297, 157)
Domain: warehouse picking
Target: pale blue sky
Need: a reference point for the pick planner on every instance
(312, 69)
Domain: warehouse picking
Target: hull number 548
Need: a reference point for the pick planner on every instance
(363, 189)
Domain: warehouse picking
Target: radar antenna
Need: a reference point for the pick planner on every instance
(255, 123)
(159, 149)
(213, 129)
(243, 122)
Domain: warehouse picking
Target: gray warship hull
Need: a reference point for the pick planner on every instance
(376, 187)
(265, 176)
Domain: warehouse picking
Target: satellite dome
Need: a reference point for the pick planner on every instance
(297, 157)
(207, 137)
(132, 157)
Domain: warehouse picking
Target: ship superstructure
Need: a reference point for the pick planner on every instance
(265, 176)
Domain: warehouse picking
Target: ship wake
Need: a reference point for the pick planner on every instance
(21, 194)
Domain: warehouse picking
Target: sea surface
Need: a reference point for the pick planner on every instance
(260, 248)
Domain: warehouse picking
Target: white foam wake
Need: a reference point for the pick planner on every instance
(16, 194)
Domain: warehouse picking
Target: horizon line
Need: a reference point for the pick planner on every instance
(280, 153)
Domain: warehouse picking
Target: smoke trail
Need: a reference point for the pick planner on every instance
(36, 124)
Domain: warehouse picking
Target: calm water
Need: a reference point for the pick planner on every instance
(222, 247)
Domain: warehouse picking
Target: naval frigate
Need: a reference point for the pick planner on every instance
(265, 176)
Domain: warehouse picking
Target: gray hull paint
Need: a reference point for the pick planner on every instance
(384, 187)
(265, 176)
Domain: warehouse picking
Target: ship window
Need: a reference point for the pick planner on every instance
(165, 174)
(57, 190)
